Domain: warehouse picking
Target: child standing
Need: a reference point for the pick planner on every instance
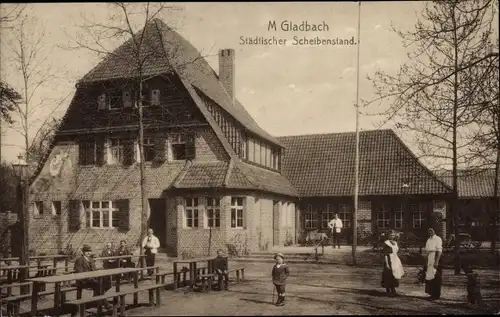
(279, 274)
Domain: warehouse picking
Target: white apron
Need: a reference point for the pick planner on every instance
(397, 266)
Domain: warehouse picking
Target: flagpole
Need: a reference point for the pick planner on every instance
(356, 166)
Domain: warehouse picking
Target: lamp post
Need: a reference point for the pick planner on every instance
(21, 170)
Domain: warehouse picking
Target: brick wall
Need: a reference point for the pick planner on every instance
(50, 234)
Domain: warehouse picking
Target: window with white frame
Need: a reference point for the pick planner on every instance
(310, 218)
(327, 215)
(383, 217)
(345, 215)
(398, 217)
(192, 212)
(101, 214)
(418, 216)
(38, 208)
(237, 220)
(213, 212)
(56, 208)
(149, 149)
(116, 147)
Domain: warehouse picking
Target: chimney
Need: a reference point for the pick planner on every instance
(226, 71)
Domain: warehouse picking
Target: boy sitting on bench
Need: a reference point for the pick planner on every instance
(220, 268)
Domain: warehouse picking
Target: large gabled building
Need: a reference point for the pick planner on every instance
(395, 190)
(214, 178)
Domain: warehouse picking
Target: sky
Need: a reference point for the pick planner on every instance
(288, 89)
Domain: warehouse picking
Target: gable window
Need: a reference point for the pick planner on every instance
(418, 216)
(115, 99)
(56, 208)
(102, 101)
(87, 152)
(310, 218)
(275, 159)
(191, 215)
(327, 216)
(251, 150)
(398, 217)
(178, 142)
(237, 212)
(101, 214)
(127, 99)
(117, 151)
(213, 212)
(155, 97)
(383, 218)
(345, 215)
(38, 208)
(149, 149)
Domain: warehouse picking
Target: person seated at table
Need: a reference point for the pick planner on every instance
(108, 251)
(123, 250)
(85, 263)
(221, 269)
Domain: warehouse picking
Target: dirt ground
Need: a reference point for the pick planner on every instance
(327, 290)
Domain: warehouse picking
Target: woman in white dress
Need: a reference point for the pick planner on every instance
(393, 268)
(433, 267)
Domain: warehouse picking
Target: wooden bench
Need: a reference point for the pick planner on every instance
(14, 302)
(118, 300)
(12, 285)
(206, 281)
(240, 271)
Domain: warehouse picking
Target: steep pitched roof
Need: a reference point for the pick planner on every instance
(323, 165)
(172, 53)
(471, 184)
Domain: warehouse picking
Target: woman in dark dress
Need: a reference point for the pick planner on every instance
(393, 269)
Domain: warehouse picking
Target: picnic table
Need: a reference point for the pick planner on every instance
(40, 258)
(59, 280)
(11, 271)
(193, 269)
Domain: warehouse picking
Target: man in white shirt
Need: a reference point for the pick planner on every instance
(336, 226)
(150, 245)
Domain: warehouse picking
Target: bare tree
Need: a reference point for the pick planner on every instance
(10, 12)
(135, 24)
(486, 146)
(432, 94)
(29, 60)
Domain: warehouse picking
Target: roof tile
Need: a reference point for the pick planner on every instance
(324, 165)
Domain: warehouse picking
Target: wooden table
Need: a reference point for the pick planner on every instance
(40, 258)
(58, 280)
(192, 269)
(11, 268)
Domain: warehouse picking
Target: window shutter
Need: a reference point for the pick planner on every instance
(81, 153)
(160, 148)
(99, 151)
(190, 147)
(74, 214)
(127, 99)
(123, 214)
(129, 153)
(101, 102)
(155, 97)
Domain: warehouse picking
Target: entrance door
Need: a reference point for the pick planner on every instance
(158, 219)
